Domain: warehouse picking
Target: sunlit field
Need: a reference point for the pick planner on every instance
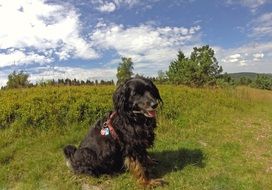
(206, 138)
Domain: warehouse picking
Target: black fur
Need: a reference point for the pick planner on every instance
(134, 123)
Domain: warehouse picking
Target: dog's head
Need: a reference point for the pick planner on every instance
(137, 96)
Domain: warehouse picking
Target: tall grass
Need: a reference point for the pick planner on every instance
(206, 138)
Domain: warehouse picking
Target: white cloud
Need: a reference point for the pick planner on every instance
(258, 56)
(262, 26)
(18, 57)
(252, 57)
(129, 3)
(45, 73)
(252, 4)
(233, 60)
(42, 28)
(145, 44)
(113, 5)
(49, 73)
(107, 7)
(242, 62)
(235, 56)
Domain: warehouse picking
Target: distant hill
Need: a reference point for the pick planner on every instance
(250, 75)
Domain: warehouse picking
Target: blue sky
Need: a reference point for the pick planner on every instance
(85, 39)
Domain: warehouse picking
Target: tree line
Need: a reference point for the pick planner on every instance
(199, 69)
(262, 81)
(20, 79)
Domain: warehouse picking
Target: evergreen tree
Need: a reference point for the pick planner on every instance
(197, 70)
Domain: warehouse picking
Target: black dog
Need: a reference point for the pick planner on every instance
(121, 139)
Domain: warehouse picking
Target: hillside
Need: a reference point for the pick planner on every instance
(250, 75)
(206, 138)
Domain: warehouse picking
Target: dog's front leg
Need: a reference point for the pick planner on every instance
(141, 173)
(152, 161)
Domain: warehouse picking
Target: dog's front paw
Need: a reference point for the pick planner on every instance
(152, 161)
(156, 182)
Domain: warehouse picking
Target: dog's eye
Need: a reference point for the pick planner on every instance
(133, 93)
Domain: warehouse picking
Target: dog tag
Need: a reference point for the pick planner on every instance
(105, 131)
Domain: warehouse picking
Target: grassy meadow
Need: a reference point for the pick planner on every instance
(215, 139)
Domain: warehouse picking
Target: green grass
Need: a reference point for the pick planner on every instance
(206, 138)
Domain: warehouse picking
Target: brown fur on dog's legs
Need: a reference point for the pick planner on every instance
(141, 174)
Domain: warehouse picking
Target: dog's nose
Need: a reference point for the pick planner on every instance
(154, 104)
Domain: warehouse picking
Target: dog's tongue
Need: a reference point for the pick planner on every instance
(152, 113)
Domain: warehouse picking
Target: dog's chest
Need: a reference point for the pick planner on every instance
(143, 135)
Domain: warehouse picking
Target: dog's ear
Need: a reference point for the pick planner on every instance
(120, 98)
(155, 92)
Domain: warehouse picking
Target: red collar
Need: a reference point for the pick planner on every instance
(108, 124)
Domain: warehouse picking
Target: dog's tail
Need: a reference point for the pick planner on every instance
(69, 151)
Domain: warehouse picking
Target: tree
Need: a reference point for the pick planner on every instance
(124, 70)
(60, 81)
(162, 77)
(88, 82)
(208, 69)
(17, 80)
(181, 70)
(68, 81)
(197, 70)
(245, 81)
(225, 80)
(263, 82)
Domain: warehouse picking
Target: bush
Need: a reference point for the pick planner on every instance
(43, 107)
(263, 82)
